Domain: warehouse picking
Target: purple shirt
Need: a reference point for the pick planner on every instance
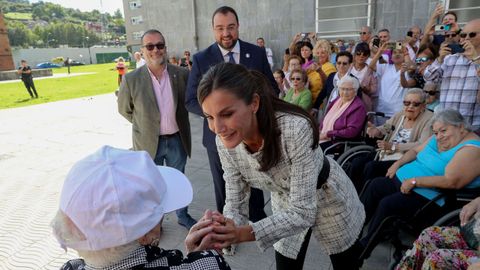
(163, 93)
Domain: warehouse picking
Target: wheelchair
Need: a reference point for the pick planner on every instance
(391, 227)
(344, 150)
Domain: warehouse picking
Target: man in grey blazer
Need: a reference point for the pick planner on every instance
(152, 98)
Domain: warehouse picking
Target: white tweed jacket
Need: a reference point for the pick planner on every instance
(334, 212)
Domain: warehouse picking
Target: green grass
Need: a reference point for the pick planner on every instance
(18, 16)
(54, 89)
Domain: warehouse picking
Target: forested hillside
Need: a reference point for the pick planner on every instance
(45, 24)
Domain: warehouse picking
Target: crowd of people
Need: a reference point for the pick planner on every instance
(266, 131)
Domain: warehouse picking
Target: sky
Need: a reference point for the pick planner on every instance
(88, 5)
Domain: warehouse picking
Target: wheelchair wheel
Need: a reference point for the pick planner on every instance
(450, 219)
(347, 157)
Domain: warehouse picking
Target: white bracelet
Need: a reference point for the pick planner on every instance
(476, 58)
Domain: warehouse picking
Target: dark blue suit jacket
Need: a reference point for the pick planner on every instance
(251, 56)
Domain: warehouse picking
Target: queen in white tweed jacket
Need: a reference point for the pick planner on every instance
(333, 212)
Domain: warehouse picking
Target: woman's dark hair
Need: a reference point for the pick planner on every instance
(363, 47)
(309, 45)
(344, 53)
(431, 47)
(244, 84)
(279, 71)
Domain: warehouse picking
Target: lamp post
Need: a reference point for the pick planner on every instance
(89, 53)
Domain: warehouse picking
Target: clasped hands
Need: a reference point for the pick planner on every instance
(212, 231)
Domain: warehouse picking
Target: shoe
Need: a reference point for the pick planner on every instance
(187, 221)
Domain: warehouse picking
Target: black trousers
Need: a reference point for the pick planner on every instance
(28, 82)
(347, 259)
(382, 198)
(256, 202)
(364, 168)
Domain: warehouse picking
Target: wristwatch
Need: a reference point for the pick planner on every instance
(394, 147)
(414, 182)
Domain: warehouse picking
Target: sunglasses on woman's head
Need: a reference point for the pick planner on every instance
(470, 35)
(413, 103)
(150, 47)
(431, 93)
(421, 60)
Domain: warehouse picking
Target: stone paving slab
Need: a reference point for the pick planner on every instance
(39, 144)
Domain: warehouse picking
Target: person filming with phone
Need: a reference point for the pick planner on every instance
(457, 66)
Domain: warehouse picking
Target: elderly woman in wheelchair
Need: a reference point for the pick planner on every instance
(448, 160)
(405, 130)
(345, 116)
(447, 247)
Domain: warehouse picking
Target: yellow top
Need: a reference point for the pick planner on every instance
(315, 83)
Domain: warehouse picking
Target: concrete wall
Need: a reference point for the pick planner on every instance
(36, 56)
(186, 24)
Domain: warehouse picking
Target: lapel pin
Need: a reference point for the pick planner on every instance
(247, 55)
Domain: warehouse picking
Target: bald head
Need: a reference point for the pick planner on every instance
(470, 28)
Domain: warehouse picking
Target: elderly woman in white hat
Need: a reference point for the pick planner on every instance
(111, 211)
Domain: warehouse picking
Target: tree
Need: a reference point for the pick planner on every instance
(117, 14)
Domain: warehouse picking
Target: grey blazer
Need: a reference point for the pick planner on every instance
(138, 104)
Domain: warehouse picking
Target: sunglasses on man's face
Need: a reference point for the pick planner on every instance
(363, 33)
(431, 93)
(295, 79)
(159, 46)
(413, 103)
(361, 54)
(470, 35)
(450, 35)
(421, 60)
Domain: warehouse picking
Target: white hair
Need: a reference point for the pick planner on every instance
(451, 117)
(349, 79)
(417, 91)
(66, 232)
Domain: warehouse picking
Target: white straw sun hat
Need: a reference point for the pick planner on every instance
(116, 196)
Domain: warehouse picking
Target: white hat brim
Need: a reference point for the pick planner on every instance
(179, 192)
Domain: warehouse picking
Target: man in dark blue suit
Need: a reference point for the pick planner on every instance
(227, 48)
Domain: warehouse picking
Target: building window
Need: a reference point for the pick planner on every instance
(466, 10)
(137, 35)
(342, 18)
(136, 19)
(135, 4)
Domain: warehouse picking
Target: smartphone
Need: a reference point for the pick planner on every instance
(409, 34)
(456, 48)
(376, 42)
(287, 51)
(304, 35)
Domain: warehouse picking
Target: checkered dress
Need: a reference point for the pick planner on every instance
(155, 258)
(460, 86)
(334, 212)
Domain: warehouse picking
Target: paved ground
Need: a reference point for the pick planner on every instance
(39, 144)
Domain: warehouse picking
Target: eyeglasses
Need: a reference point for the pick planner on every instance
(150, 47)
(421, 60)
(361, 53)
(470, 35)
(450, 35)
(431, 93)
(362, 33)
(187, 54)
(295, 79)
(343, 63)
(413, 103)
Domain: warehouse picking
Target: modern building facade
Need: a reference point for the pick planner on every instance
(186, 24)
